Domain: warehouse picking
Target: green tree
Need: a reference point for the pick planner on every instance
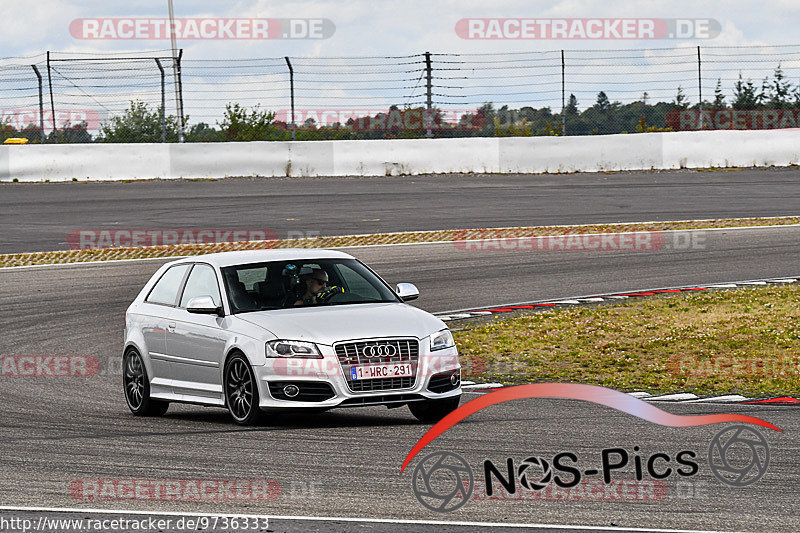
(603, 103)
(680, 99)
(781, 90)
(69, 134)
(763, 95)
(256, 125)
(719, 96)
(138, 124)
(201, 133)
(745, 96)
(572, 106)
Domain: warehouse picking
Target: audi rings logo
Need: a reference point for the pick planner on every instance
(738, 455)
(379, 350)
(443, 482)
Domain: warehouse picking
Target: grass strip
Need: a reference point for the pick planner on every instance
(742, 341)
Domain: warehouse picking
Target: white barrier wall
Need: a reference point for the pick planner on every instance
(394, 157)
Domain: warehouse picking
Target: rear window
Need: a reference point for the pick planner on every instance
(165, 291)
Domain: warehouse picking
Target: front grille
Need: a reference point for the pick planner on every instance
(385, 351)
(310, 391)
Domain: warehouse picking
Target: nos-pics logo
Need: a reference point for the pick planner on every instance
(443, 481)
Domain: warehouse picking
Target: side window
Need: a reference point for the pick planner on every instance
(356, 283)
(165, 291)
(202, 282)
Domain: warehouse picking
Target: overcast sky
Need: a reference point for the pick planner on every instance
(375, 27)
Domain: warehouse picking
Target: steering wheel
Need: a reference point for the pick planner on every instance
(330, 293)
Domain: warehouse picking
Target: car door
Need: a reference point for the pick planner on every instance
(196, 342)
(156, 314)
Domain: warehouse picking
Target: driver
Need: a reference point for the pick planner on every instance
(315, 284)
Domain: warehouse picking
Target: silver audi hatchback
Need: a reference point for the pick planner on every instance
(274, 330)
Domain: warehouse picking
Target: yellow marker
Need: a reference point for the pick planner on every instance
(370, 220)
(16, 140)
(292, 219)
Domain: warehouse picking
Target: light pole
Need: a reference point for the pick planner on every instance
(176, 72)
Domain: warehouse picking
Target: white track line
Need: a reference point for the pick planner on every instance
(574, 527)
(730, 398)
(473, 386)
(678, 397)
(123, 512)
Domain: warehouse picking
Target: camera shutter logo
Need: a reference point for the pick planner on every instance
(443, 482)
(738, 455)
(526, 473)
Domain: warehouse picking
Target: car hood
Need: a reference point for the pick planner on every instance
(330, 324)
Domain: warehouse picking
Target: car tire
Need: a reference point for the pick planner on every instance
(428, 411)
(136, 385)
(241, 391)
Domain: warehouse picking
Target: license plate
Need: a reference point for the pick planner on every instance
(392, 370)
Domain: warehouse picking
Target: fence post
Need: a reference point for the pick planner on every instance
(563, 97)
(179, 96)
(700, 89)
(291, 91)
(163, 105)
(52, 104)
(41, 102)
(429, 96)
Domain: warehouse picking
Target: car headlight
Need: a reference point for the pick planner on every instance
(284, 348)
(442, 340)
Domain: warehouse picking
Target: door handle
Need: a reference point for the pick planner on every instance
(171, 328)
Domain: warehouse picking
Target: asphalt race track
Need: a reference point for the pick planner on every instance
(346, 463)
(37, 216)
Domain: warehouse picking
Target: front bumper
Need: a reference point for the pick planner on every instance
(324, 383)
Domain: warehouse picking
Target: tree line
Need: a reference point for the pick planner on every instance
(142, 124)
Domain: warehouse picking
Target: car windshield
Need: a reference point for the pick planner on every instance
(287, 284)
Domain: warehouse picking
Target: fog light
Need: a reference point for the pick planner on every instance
(291, 391)
(455, 379)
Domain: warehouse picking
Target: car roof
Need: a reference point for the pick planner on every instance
(243, 257)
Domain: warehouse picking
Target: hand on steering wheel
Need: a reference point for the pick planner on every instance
(329, 293)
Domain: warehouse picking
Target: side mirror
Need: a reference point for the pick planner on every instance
(407, 291)
(204, 305)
